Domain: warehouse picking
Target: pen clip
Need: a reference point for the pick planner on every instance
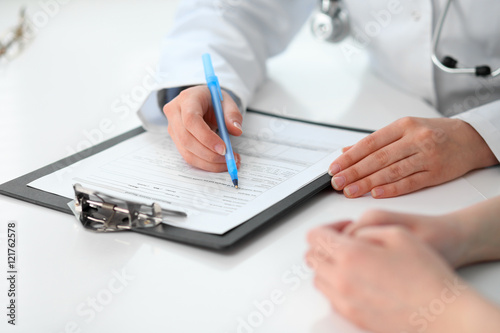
(210, 74)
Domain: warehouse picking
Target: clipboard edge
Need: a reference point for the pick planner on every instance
(18, 188)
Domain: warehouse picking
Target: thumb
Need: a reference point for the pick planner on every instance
(232, 115)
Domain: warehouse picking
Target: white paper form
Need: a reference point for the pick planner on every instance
(278, 157)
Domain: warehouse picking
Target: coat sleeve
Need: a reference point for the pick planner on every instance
(240, 35)
(486, 121)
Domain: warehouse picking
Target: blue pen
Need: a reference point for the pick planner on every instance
(216, 92)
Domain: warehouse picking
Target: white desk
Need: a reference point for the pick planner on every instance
(91, 58)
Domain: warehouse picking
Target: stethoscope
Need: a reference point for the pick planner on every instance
(331, 24)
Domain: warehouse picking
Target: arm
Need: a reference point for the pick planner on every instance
(240, 35)
(464, 237)
(480, 225)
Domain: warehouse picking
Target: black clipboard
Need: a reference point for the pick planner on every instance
(18, 188)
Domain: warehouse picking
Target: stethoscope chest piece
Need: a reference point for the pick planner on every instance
(331, 23)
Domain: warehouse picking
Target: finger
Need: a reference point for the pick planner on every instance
(324, 242)
(202, 164)
(321, 233)
(232, 115)
(386, 236)
(237, 159)
(346, 149)
(378, 160)
(339, 226)
(185, 142)
(192, 114)
(406, 185)
(377, 218)
(386, 175)
(366, 146)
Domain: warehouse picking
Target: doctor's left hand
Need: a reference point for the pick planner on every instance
(408, 155)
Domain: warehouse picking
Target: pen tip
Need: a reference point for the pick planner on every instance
(235, 183)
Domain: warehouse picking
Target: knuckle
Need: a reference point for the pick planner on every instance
(366, 183)
(412, 184)
(395, 173)
(346, 159)
(425, 133)
(381, 157)
(407, 122)
(169, 108)
(352, 174)
(185, 94)
(369, 142)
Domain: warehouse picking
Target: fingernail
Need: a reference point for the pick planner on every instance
(351, 190)
(338, 182)
(220, 149)
(237, 125)
(334, 168)
(377, 192)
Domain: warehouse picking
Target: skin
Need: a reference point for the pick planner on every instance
(463, 237)
(408, 155)
(382, 271)
(192, 125)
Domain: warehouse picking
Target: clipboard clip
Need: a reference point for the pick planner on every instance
(103, 213)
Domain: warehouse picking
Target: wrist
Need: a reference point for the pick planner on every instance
(478, 230)
(466, 311)
(479, 314)
(480, 154)
(459, 238)
(467, 240)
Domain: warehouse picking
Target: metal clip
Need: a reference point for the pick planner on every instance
(103, 213)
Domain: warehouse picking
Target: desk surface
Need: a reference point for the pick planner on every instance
(85, 69)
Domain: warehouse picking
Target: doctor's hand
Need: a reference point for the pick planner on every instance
(192, 125)
(383, 279)
(410, 154)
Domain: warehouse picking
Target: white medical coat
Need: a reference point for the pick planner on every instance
(242, 34)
